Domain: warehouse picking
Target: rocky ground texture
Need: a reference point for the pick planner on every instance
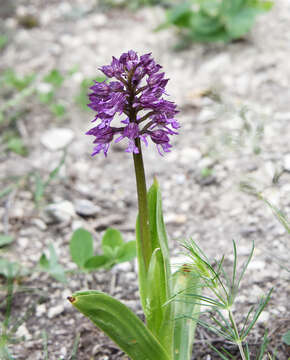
(234, 110)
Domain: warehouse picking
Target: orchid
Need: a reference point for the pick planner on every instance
(136, 99)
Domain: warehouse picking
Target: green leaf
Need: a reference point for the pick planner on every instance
(127, 252)
(11, 79)
(231, 7)
(159, 263)
(96, 262)
(186, 313)
(120, 324)
(82, 98)
(180, 15)
(3, 41)
(5, 239)
(262, 304)
(6, 191)
(263, 6)
(39, 188)
(286, 338)
(55, 78)
(81, 247)
(52, 266)
(53, 174)
(9, 269)
(58, 109)
(164, 281)
(202, 24)
(44, 262)
(210, 7)
(46, 97)
(155, 310)
(57, 271)
(111, 242)
(239, 24)
(16, 145)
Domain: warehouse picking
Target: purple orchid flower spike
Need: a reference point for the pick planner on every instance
(138, 94)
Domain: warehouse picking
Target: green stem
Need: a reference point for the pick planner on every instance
(238, 340)
(142, 205)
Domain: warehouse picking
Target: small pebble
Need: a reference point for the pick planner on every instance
(55, 311)
(57, 138)
(286, 162)
(60, 212)
(85, 207)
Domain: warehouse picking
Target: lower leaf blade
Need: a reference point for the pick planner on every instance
(120, 324)
(186, 314)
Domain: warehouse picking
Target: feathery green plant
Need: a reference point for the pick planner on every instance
(223, 289)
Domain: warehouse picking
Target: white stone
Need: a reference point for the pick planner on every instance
(264, 317)
(60, 212)
(57, 138)
(216, 64)
(189, 156)
(23, 332)
(55, 311)
(85, 207)
(44, 88)
(206, 115)
(40, 310)
(40, 224)
(286, 162)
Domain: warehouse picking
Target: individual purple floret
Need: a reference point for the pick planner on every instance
(138, 95)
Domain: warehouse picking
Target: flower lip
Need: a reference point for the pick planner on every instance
(138, 88)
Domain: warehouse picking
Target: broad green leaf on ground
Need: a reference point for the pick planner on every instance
(5, 239)
(286, 338)
(81, 247)
(120, 324)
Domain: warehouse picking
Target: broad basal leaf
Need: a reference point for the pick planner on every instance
(120, 324)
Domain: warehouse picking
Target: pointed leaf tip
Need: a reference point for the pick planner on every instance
(156, 181)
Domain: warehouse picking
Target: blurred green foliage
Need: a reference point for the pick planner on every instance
(3, 41)
(134, 4)
(82, 97)
(215, 20)
(14, 81)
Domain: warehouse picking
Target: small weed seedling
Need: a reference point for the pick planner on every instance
(51, 265)
(115, 250)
